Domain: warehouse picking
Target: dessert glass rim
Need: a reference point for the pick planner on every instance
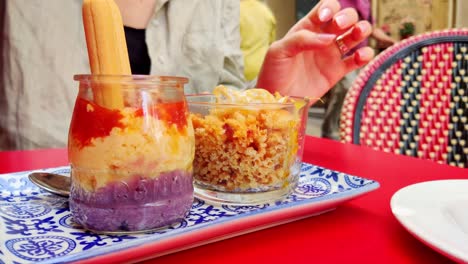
(206, 103)
(132, 79)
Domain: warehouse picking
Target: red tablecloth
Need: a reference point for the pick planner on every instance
(361, 231)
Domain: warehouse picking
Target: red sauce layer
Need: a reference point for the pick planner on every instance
(171, 113)
(93, 121)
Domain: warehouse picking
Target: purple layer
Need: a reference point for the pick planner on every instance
(135, 205)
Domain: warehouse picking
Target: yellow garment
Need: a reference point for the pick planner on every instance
(258, 31)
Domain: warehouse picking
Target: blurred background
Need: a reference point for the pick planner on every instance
(43, 46)
(427, 15)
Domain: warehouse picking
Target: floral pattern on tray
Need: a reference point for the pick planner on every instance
(36, 226)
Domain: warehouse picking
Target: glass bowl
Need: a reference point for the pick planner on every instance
(246, 153)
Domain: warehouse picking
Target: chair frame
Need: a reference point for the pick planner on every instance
(353, 107)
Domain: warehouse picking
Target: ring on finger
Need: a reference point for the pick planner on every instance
(341, 45)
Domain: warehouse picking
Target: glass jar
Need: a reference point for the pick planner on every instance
(131, 148)
(247, 153)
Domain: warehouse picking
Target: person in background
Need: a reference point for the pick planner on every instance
(336, 96)
(305, 62)
(258, 31)
(199, 39)
(44, 46)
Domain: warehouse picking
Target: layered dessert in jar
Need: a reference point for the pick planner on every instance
(131, 143)
(131, 166)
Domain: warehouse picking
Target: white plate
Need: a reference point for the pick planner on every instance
(436, 213)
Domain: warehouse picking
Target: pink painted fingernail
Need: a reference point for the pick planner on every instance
(359, 30)
(341, 21)
(325, 14)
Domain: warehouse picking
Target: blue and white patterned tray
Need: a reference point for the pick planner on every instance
(36, 226)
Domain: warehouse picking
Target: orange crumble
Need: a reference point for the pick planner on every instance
(240, 149)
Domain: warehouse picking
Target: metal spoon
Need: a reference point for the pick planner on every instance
(51, 182)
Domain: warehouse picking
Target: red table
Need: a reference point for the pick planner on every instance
(361, 231)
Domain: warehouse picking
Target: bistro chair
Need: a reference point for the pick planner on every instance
(412, 99)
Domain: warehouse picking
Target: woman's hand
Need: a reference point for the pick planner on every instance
(307, 61)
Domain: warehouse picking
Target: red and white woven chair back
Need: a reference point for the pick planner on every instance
(412, 99)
